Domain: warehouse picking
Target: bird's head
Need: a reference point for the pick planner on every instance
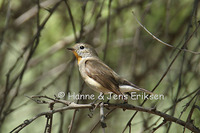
(82, 50)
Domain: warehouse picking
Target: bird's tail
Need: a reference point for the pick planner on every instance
(130, 88)
(147, 91)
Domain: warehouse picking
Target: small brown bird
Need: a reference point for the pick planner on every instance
(97, 75)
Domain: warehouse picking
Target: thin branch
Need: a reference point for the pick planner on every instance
(107, 30)
(188, 103)
(72, 19)
(163, 76)
(33, 11)
(19, 77)
(154, 129)
(8, 13)
(48, 127)
(167, 44)
(102, 117)
(72, 121)
(82, 21)
(75, 106)
(99, 120)
(54, 100)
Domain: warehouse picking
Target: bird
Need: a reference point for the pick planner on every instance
(99, 76)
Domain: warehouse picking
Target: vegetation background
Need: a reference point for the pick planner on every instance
(34, 35)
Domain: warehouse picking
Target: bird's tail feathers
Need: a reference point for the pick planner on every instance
(129, 88)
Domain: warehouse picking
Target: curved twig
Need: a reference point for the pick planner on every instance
(72, 106)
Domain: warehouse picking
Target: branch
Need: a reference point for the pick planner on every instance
(107, 30)
(168, 45)
(75, 106)
(33, 11)
(165, 73)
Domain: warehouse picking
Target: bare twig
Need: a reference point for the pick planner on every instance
(72, 121)
(163, 76)
(188, 103)
(33, 11)
(9, 84)
(154, 37)
(82, 22)
(154, 129)
(72, 19)
(102, 117)
(107, 30)
(54, 100)
(6, 23)
(75, 106)
(49, 121)
(99, 121)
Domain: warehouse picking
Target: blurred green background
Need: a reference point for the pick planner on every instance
(41, 65)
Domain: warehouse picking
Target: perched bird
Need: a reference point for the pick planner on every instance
(97, 75)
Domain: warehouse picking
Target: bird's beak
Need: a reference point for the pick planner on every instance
(71, 49)
(75, 53)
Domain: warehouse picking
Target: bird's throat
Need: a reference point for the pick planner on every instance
(77, 57)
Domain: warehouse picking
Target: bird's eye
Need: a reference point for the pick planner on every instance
(81, 47)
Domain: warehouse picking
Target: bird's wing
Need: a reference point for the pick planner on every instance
(102, 74)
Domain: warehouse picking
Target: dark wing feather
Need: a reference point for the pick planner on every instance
(102, 74)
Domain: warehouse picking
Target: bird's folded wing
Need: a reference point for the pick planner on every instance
(102, 74)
